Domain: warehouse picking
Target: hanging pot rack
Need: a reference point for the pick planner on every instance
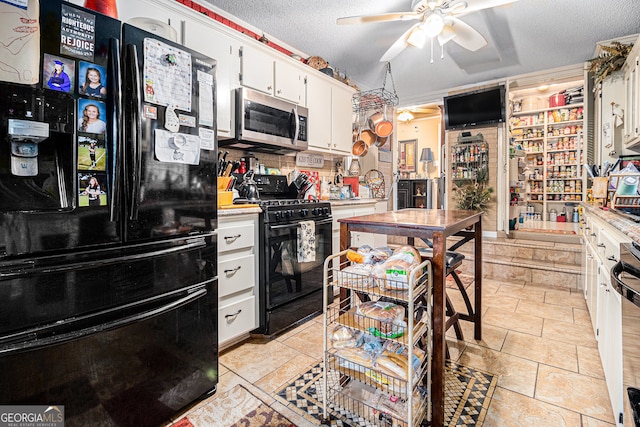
(376, 99)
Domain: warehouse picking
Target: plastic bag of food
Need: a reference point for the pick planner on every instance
(381, 318)
(343, 337)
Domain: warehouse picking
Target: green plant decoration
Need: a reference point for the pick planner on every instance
(472, 196)
(609, 61)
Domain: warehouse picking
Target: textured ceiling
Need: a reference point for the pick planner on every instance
(524, 37)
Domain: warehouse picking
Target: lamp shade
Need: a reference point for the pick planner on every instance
(426, 155)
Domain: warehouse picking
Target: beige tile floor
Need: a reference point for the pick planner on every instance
(539, 341)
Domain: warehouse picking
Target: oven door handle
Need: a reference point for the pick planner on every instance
(280, 227)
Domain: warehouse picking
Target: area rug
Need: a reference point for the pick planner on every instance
(234, 408)
(542, 230)
(468, 393)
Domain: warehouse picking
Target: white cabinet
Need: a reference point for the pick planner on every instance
(224, 49)
(608, 136)
(330, 114)
(203, 35)
(602, 247)
(631, 72)
(161, 10)
(357, 238)
(237, 277)
(262, 71)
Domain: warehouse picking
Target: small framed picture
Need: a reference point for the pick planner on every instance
(92, 153)
(58, 73)
(92, 80)
(92, 189)
(91, 115)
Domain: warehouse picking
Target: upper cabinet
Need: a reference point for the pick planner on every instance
(224, 49)
(330, 114)
(261, 71)
(632, 97)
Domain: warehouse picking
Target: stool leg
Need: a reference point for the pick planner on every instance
(456, 325)
(463, 291)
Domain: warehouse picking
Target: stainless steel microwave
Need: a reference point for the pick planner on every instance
(265, 122)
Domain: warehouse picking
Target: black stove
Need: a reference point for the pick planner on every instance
(291, 289)
(279, 205)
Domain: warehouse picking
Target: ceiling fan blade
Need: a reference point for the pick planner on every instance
(465, 35)
(476, 5)
(385, 17)
(398, 46)
(447, 34)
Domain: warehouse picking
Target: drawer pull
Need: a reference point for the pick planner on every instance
(228, 316)
(227, 238)
(602, 245)
(612, 258)
(593, 234)
(231, 271)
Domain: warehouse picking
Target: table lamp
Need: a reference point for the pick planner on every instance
(427, 157)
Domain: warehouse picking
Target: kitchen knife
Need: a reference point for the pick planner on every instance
(227, 169)
(589, 172)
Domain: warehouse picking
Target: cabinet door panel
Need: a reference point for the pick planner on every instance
(223, 49)
(341, 118)
(256, 68)
(287, 82)
(319, 104)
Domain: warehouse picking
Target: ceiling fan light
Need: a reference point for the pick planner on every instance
(446, 35)
(405, 116)
(417, 37)
(433, 25)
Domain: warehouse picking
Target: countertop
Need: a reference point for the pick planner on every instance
(347, 202)
(254, 210)
(620, 222)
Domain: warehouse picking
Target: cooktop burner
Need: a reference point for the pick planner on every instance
(286, 202)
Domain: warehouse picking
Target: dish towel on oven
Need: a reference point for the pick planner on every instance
(306, 241)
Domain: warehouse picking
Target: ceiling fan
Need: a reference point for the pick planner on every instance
(438, 18)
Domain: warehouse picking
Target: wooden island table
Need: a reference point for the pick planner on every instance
(433, 225)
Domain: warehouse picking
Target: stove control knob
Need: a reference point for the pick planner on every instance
(325, 211)
(314, 211)
(289, 213)
(277, 215)
(304, 212)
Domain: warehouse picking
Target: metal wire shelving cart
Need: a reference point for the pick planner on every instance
(384, 380)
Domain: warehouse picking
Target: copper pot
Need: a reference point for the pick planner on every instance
(380, 125)
(368, 137)
(380, 141)
(359, 148)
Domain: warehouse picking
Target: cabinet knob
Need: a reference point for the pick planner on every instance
(269, 87)
(279, 90)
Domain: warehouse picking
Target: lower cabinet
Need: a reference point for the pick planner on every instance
(237, 277)
(602, 249)
(357, 239)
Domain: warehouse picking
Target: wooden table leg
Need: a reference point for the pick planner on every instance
(439, 322)
(477, 255)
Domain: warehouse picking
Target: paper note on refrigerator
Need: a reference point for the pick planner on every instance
(167, 75)
(205, 101)
(177, 147)
(20, 43)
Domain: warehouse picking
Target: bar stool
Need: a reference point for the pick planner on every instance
(453, 260)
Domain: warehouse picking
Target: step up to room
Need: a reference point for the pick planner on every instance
(538, 262)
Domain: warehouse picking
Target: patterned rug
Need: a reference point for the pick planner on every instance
(234, 408)
(468, 393)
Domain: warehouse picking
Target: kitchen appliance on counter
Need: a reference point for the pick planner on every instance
(265, 123)
(625, 277)
(290, 280)
(108, 251)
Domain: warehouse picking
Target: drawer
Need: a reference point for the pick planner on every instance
(233, 238)
(236, 274)
(236, 319)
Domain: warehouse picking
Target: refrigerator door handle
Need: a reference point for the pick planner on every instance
(136, 129)
(106, 320)
(117, 130)
(31, 269)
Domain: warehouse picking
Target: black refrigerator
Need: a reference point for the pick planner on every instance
(108, 253)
